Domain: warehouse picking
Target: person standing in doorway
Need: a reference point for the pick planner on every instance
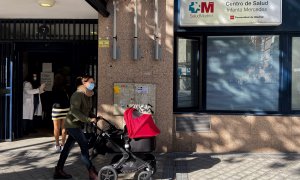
(60, 108)
(80, 113)
(31, 107)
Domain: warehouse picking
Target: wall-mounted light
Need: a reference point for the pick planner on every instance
(46, 3)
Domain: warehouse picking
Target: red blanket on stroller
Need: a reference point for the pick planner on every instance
(140, 127)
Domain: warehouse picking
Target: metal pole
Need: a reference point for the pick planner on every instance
(6, 115)
(10, 101)
(156, 50)
(115, 31)
(135, 48)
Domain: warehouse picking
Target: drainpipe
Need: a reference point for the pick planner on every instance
(135, 45)
(156, 38)
(115, 54)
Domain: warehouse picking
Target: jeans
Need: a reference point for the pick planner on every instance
(75, 135)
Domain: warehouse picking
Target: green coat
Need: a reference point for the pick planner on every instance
(80, 110)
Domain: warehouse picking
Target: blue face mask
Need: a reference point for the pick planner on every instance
(91, 86)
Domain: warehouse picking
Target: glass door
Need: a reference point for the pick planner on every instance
(187, 71)
(6, 91)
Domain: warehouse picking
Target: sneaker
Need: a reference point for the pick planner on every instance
(61, 148)
(57, 148)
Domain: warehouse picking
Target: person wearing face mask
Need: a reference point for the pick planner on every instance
(31, 106)
(79, 114)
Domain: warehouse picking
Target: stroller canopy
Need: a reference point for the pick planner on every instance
(140, 127)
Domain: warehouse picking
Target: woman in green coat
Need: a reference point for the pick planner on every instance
(80, 113)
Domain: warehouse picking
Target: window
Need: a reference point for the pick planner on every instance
(242, 73)
(295, 73)
(239, 74)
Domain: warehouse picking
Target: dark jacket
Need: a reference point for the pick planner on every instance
(80, 110)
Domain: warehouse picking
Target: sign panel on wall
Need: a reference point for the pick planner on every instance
(139, 96)
(230, 12)
(103, 43)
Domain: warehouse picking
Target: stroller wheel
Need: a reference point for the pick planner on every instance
(107, 173)
(144, 175)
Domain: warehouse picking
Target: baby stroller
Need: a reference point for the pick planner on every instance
(133, 146)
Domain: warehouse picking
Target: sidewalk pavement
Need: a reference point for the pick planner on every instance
(34, 159)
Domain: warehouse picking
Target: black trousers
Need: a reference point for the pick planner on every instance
(75, 135)
(27, 125)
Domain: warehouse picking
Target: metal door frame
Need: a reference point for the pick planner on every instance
(6, 86)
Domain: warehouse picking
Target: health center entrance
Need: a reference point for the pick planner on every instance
(47, 48)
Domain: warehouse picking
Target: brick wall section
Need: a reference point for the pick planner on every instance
(228, 133)
(244, 134)
(145, 70)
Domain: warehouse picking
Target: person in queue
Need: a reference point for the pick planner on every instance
(60, 109)
(32, 105)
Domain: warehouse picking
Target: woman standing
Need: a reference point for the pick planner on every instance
(80, 113)
(31, 106)
(60, 108)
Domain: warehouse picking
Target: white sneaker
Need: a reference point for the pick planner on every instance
(61, 148)
(57, 148)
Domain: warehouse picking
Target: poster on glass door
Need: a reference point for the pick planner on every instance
(230, 13)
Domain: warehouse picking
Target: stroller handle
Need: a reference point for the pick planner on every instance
(98, 118)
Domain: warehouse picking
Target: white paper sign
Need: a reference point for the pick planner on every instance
(47, 67)
(230, 12)
(142, 90)
(48, 78)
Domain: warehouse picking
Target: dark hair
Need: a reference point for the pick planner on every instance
(81, 79)
(59, 82)
(29, 77)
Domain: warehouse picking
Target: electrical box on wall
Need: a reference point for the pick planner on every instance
(139, 96)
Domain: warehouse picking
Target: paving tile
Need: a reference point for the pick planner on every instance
(34, 159)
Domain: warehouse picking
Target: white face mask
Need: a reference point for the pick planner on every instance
(34, 78)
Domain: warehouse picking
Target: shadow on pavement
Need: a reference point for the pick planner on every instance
(186, 163)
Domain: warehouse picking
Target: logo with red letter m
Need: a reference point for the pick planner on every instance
(201, 7)
(207, 7)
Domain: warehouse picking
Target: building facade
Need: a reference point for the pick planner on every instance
(221, 85)
(225, 72)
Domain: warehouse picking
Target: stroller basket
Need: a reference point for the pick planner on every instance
(142, 145)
